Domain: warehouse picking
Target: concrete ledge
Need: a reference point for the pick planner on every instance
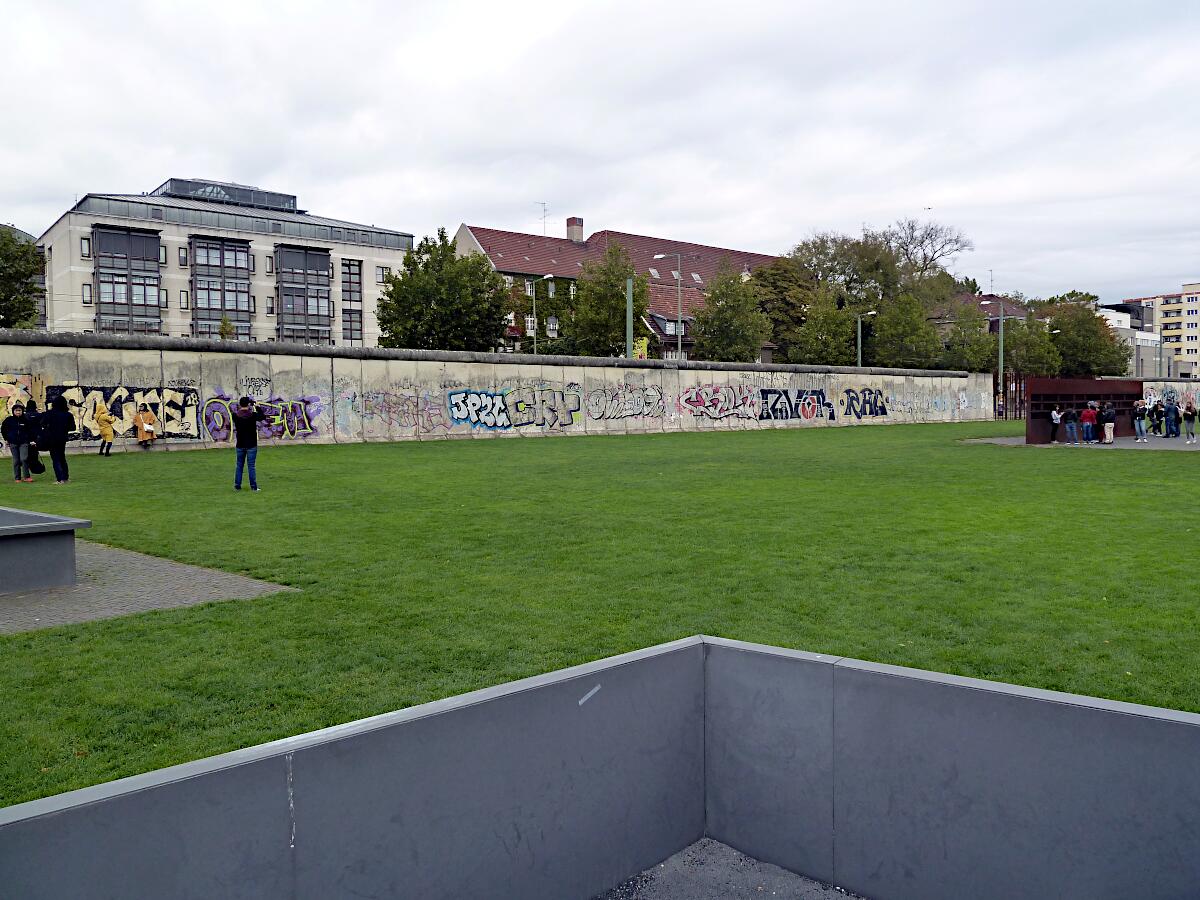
(37, 550)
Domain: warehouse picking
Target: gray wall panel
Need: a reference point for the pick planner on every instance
(769, 754)
(529, 795)
(952, 788)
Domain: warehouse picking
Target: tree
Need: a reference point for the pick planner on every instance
(20, 265)
(1083, 297)
(598, 327)
(730, 327)
(827, 336)
(966, 285)
(1087, 345)
(924, 248)
(441, 301)
(226, 331)
(904, 338)
(970, 345)
(784, 294)
(1028, 348)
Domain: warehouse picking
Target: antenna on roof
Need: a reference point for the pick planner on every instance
(545, 206)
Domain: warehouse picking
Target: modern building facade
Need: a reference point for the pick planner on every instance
(1135, 325)
(674, 270)
(179, 260)
(1177, 317)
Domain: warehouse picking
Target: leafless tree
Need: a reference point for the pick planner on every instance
(924, 247)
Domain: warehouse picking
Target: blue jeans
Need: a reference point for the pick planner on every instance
(245, 455)
(1087, 432)
(1139, 426)
(1073, 432)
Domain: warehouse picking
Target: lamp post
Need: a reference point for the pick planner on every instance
(679, 301)
(535, 321)
(858, 322)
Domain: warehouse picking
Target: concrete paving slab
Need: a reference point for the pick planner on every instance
(710, 870)
(113, 582)
(1121, 443)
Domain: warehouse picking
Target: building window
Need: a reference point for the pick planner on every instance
(511, 319)
(183, 299)
(85, 247)
(382, 273)
(572, 290)
(162, 298)
(270, 303)
(552, 325)
(270, 264)
(162, 254)
(528, 287)
(252, 263)
(87, 295)
(508, 280)
(183, 257)
(669, 326)
(530, 324)
(550, 288)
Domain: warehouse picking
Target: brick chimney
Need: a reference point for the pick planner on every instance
(575, 229)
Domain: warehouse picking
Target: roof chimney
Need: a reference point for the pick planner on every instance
(575, 229)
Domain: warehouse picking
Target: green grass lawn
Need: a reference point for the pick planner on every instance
(428, 569)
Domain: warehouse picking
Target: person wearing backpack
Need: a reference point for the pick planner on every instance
(18, 436)
(58, 426)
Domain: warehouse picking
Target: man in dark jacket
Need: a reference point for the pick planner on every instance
(245, 427)
(57, 427)
(18, 436)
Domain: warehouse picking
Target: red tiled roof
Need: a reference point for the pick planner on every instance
(991, 310)
(515, 253)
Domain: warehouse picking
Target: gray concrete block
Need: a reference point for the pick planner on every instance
(769, 754)
(951, 787)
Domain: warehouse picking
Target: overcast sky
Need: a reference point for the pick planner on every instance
(1064, 138)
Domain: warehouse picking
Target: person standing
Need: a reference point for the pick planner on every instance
(1189, 422)
(1156, 418)
(1071, 420)
(1139, 423)
(18, 436)
(1088, 418)
(245, 426)
(1171, 411)
(34, 418)
(146, 424)
(57, 427)
(1055, 419)
(104, 421)
(1110, 422)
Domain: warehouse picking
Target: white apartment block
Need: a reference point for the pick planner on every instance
(1178, 319)
(178, 260)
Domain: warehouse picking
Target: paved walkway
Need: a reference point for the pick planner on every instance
(116, 582)
(1121, 443)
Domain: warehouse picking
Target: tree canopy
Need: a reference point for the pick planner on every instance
(969, 345)
(904, 338)
(1028, 348)
(827, 336)
(20, 265)
(441, 301)
(598, 326)
(730, 327)
(1086, 344)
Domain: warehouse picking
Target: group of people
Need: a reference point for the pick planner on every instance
(26, 431)
(1098, 425)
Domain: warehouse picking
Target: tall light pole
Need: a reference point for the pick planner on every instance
(549, 277)
(679, 301)
(859, 319)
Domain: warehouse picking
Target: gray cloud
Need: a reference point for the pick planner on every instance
(1061, 137)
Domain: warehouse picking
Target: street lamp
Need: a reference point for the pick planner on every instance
(858, 322)
(535, 321)
(679, 301)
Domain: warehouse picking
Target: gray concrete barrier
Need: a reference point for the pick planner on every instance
(37, 550)
(890, 782)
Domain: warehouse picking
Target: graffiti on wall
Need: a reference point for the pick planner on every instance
(625, 401)
(544, 407)
(20, 389)
(863, 403)
(398, 409)
(479, 409)
(803, 404)
(286, 419)
(720, 401)
(175, 408)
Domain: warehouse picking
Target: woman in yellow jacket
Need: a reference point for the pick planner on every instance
(104, 421)
(146, 424)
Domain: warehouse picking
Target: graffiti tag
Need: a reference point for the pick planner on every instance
(479, 409)
(864, 403)
(720, 401)
(805, 405)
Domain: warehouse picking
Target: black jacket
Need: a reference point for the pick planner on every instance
(1070, 417)
(245, 424)
(1109, 415)
(56, 429)
(16, 431)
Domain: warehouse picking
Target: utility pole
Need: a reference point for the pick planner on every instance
(629, 318)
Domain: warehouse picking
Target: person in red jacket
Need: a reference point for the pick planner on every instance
(1088, 418)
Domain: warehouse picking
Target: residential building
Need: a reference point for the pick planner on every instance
(524, 259)
(1178, 319)
(1134, 324)
(988, 305)
(178, 260)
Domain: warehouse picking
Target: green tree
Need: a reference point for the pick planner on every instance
(784, 294)
(924, 248)
(226, 331)
(730, 327)
(441, 301)
(1028, 348)
(966, 285)
(970, 345)
(1087, 299)
(598, 327)
(20, 265)
(1085, 342)
(827, 336)
(904, 338)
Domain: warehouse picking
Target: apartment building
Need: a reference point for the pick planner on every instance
(1178, 319)
(180, 259)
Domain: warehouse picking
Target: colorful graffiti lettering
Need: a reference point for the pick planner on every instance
(863, 403)
(625, 401)
(806, 405)
(401, 410)
(20, 389)
(720, 401)
(542, 406)
(175, 408)
(479, 409)
(285, 418)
